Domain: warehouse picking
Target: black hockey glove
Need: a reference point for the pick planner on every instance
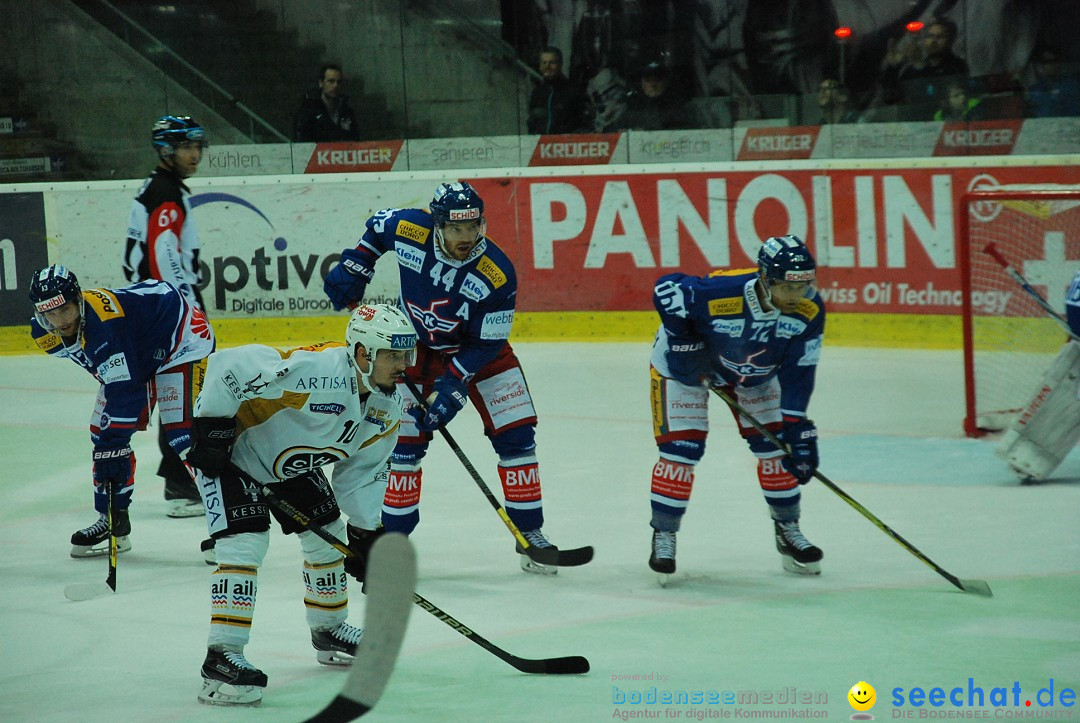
(801, 437)
(450, 396)
(113, 467)
(212, 440)
(687, 360)
(360, 542)
(346, 282)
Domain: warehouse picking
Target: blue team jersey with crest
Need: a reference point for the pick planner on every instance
(128, 336)
(464, 308)
(746, 345)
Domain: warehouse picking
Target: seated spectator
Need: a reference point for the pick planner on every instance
(556, 105)
(919, 81)
(657, 104)
(958, 104)
(1052, 92)
(834, 99)
(326, 115)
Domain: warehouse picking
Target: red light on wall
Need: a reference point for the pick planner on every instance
(842, 33)
(914, 26)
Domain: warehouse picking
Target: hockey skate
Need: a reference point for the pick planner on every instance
(662, 560)
(536, 539)
(796, 552)
(336, 646)
(183, 508)
(93, 541)
(229, 679)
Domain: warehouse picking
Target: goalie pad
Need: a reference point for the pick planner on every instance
(1049, 426)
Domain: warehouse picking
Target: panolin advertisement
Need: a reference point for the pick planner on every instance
(886, 238)
(581, 241)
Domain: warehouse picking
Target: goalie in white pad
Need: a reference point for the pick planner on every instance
(1049, 426)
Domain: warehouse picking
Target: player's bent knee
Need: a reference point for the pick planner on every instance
(684, 451)
(318, 551)
(245, 548)
(517, 441)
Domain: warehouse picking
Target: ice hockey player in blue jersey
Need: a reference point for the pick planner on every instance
(756, 333)
(142, 343)
(459, 291)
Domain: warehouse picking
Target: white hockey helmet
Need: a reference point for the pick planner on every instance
(379, 326)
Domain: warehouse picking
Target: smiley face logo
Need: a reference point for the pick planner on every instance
(862, 696)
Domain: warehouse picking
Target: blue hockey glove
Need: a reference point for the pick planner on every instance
(686, 360)
(801, 438)
(212, 440)
(113, 467)
(450, 397)
(346, 282)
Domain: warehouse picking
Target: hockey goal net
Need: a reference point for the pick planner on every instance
(1009, 340)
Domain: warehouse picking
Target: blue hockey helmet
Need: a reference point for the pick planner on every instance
(51, 288)
(170, 131)
(786, 258)
(456, 202)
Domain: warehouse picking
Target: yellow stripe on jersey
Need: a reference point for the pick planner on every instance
(733, 272)
(377, 437)
(725, 306)
(105, 304)
(256, 411)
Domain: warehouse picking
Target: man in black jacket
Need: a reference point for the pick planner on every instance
(326, 115)
(556, 104)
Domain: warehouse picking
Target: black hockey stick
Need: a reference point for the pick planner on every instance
(390, 582)
(994, 252)
(979, 587)
(569, 665)
(543, 555)
(79, 591)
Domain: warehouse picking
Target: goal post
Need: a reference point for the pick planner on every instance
(1009, 340)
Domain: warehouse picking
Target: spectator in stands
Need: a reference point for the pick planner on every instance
(919, 81)
(1052, 92)
(605, 102)
(834, 99)
(958, 103)
(657, 103)
(326, 115)
(556, 105)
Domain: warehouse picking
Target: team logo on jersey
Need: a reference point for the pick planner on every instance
(731, 327)
(746, 368)
(409, 230)
(104, 303)
(327, 408)
(726, 307)
(429, 318)
(255, 385)
(304, 460)
(491, 270)
(410, 258)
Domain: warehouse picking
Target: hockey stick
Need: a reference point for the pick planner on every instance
(979, 587)
(544, 555)
(79, 591)
(994, 252)
(569, 665)
(390, 582)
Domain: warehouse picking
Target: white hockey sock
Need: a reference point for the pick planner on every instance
(232, 604)
(326, 596)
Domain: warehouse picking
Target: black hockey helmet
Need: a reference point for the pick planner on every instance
(170, 131)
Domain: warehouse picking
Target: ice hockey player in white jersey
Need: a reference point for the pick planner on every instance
(276, 418)
(1048, 428)
(757, 334)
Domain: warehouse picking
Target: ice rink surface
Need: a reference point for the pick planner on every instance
(731, 620)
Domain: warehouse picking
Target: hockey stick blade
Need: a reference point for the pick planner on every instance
(570, 665)
(79, 591)
(562, 558)
(977, 587)
(390, 581)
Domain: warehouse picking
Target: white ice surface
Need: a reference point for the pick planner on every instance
(730, 620)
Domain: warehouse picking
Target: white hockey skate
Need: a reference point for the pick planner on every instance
(536, 539)
(93, 541)
(184, 508)
(229, 679)
(797, 554)
(336, 646)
